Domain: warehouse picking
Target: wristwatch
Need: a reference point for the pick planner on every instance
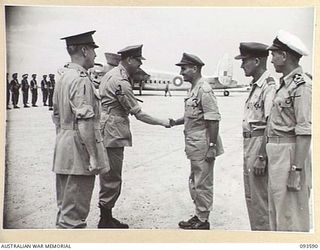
(295, 168)
(211, 144)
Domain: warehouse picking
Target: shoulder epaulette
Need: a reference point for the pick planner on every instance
(61, 71)
(206, 87)
(298, 79)
(270, 80)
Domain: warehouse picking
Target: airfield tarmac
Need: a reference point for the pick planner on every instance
(155, 173)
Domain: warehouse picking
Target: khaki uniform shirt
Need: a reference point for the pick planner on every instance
(118, 101)
(200, 105)
(74, 100)
(291, 111)
(258, 105)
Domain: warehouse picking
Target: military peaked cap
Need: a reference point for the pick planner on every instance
(189, 59)
(112, 59)
(288, 42)
(81, 39)
(24, 75)
(252, 49)
(134, 51)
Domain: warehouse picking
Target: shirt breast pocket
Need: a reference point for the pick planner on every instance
(286, 103)
(192, 108)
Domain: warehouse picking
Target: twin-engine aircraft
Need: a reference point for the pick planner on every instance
(158, 80)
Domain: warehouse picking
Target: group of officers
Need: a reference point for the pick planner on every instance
(13, 89)
(93, 127)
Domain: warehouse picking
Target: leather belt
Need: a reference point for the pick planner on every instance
(254, 133)
(281, 139)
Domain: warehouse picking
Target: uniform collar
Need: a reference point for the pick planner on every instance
(261, 80)
(123, 71)
(197, 86)
(289, 78)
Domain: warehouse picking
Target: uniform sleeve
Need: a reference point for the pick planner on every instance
(81, 98)
(210, 106)
(268, 97)
(302, 109)
(126, 97)
(55, 114)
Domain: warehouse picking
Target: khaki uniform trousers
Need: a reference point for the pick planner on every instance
(288, 211)
(110, 183)
(255, 187)
(73, 198)
(201, 187)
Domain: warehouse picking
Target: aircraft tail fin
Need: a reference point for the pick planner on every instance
(225, 70)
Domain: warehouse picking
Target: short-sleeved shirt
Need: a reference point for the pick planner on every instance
(33, 84)
(73, 100)
(24, 85)
(118, 101)
(15, 86)
(258, 105)
(200, 105)
(291, 111)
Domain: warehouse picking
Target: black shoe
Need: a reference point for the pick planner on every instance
(45, 104)
(16, 107)
(105, 223)
(119, 224)
(188, 223)
(26, 106)
(199, 226)
(34, 105)
(8, 108)
(194, 224)
(50, 108)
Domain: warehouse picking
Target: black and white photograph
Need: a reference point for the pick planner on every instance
(156, 117)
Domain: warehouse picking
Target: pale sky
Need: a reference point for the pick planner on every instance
(33, 34)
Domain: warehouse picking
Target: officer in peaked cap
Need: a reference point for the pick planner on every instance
(252, 50)
(25, 90)
(79, 152)
(34, 90)
(51, 86)
(202, 142)
(189, 59)
(15, 86)
(134, 51)
(256, 111)
(8, 90)
(118, 101)
(289, 137)
(81, 39)
(288, 42)
(44, 89)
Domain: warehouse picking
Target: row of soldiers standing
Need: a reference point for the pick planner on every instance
(13, 87)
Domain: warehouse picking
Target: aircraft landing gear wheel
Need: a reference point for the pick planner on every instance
(226, 93)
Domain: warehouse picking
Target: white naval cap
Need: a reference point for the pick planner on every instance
(289, 42)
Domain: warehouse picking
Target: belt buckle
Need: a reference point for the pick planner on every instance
(247, 134)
